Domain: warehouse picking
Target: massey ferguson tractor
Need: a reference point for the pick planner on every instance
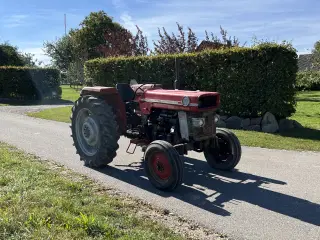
(166, 124)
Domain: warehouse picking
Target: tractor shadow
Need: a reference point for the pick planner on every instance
(210, 189)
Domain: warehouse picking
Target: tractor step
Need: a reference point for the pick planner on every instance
(137, 142)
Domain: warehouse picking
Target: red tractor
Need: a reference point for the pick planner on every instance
(164, 123)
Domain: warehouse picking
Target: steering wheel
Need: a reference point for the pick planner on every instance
(135, 92)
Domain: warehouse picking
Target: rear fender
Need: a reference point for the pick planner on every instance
(112, 97)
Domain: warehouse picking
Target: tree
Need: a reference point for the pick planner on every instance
(316, 54)
(140, 44)
(98, 36)
(11, 56)
(179, 44)
(192, 42)
(118, 42)
(170, 44)
(61, 51)
(99, 32)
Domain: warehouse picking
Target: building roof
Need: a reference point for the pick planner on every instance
(305, 63)
(208, 45)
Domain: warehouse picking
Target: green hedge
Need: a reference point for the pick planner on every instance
(308, 80)
(28, 83)
(251, 80)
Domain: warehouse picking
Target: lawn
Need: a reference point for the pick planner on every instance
(69, 94)
(307, 113)
(40, 200)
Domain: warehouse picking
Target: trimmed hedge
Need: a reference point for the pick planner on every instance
(251, 80)
(308, 80)
(28, 83)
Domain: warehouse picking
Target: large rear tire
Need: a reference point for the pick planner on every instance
(94, 131)
(163, 166)
(227, 154)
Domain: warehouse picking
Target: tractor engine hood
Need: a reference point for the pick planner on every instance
(181, 99)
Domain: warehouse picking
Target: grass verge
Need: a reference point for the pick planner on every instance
(43, 201)
(307, 113)
(70, 94)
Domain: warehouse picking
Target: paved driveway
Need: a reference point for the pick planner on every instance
(272, 195)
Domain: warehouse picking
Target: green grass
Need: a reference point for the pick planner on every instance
(39, 200)
(308, 138)
(60, 114)
(69, 94)
(307, 113)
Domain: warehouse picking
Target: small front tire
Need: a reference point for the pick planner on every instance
(227, 153)
(163, 166)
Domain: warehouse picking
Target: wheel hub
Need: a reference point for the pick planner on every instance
(161, 166)
(90, 131)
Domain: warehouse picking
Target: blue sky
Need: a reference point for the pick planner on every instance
(27, 24)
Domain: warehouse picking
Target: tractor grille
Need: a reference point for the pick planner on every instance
(208, 101)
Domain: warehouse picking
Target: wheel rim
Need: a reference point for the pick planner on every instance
(161, 167)
(87, 132)
(225, 151)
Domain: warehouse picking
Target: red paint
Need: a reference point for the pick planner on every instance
(161, 165)
(112, 98)
(176, 96)
(151, 92)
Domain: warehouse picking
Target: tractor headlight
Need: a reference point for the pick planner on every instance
(185, 101)
(198, 122)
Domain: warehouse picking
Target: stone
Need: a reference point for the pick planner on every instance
(256, 128)
(245, 123)
(297, 124)
(223, 118)
(285, 125)
(221, 124)
(234, 122)
(269, 123)
(255, 121)
(270, 128)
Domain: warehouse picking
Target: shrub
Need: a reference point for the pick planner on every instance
(251, 80)
(29, 83)
(308, 80)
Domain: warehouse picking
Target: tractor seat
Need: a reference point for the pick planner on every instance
(125, 91)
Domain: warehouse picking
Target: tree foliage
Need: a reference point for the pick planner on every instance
(239, 74)
(316, 54)
(97, 36)
(61, 51)
(180, 43)
(11, 56)
(141, 47)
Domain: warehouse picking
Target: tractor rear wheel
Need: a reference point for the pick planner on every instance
(94, 131)
(227, 153)
(163, 165)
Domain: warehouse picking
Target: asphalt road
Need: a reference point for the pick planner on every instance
(272, 195)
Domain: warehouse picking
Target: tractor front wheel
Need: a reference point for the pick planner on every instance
(94, 131)
(226, 153)
(163, 166)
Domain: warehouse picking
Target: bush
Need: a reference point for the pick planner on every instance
(251, 80)
(308, 80)
(27, 83)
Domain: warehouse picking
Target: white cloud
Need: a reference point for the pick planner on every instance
(273, 19)
(12, 21)
(38, 54)
(118, 4)
(128, 22)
